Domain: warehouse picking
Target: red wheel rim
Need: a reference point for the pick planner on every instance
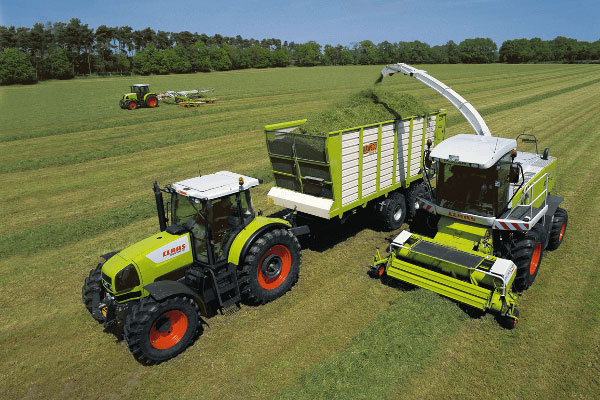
(535, 258)
(562, 232)
(274, 267)
(168, 329)
(380, 271)
(152, 102)
(132, 105)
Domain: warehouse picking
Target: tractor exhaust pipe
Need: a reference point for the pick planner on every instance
(160, 207)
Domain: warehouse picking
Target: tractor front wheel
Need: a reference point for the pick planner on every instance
(156, 331)
(527, 254)
(132, 105)
(271, 267)
(92, 293)
(558, 228)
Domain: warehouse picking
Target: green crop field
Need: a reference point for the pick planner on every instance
(77, 172)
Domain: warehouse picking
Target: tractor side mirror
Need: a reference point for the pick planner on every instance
(427, 154)
(514, 173)
(209, 212)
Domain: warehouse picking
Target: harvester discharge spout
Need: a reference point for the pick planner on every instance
(462, 105)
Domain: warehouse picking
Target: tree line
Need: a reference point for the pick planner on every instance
(64, 50)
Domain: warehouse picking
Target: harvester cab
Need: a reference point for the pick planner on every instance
(212, 252)
(492, 211)
(140, 96)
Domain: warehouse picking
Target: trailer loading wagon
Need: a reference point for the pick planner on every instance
(333, 175)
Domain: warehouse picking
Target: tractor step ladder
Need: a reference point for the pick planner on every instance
(473, 295)
(226, 285)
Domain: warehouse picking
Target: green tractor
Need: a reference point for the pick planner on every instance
(140, 96)
(216, 253)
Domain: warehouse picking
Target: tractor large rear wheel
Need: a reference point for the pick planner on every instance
(558, 228)
(527, 254)
(271, 267)
(92, 293)
(152, 101)
(156, 331)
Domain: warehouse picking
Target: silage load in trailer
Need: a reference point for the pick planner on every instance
(362, 108)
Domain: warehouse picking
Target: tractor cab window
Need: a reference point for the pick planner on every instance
(468, 189)
(222, 222)
(191, 214)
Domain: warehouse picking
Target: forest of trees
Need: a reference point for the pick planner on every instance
(64, 50)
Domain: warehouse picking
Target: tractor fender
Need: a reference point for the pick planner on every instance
(107, 256)
(161, 290)
(250, 233)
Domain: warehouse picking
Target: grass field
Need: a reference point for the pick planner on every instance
(77, 174)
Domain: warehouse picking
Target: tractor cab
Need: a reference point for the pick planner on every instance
(213, 209)
(474, 173)
(140, 89)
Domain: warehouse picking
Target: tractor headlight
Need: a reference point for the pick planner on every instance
(127, 278)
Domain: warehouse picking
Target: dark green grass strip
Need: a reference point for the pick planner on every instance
(381, 356)
(48, 236)
(525, 101)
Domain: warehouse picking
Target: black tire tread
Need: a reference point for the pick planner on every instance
(142, 314)
(560, 217)
(415, 190)
(91, 292)
(522, 250)
(262, 244)
(385, 216)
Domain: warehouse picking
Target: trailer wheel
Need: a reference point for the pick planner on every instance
(92, 293)
(152, 101)
(157, 331)
(391, 212)
(417, 190)
(270, 268)
(132, 105)
(558, 228)
(527, 254)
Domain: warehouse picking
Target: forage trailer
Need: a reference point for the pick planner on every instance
(140, 96)
(216, 252)
(334, 175)
(491, 211)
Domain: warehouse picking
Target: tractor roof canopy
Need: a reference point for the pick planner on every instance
(215, 185)
(140, 85)
(484, 151)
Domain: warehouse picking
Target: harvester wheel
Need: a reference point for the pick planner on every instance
(527, 254)
(391, 212)
(152, 101)
(156, 331)
(271, 267)
(416, 190)
(132, 105)
(558, 228)
(510, 322)
(92, 293)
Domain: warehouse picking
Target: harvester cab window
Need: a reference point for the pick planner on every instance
(468, 189)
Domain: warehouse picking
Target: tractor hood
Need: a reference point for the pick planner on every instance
(153, 258)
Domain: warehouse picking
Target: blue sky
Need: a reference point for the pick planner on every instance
(328, 22)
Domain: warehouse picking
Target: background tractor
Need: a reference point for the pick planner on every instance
(491, 214)
(140, 96)
(216, 252)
